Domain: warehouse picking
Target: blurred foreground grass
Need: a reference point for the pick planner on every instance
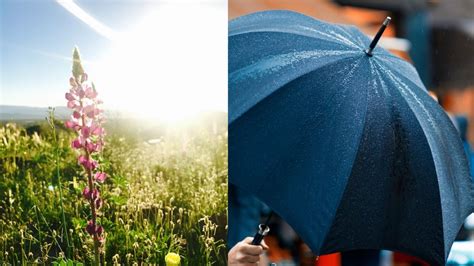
(167, 192)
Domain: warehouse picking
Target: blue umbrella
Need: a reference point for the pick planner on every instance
(342, 140)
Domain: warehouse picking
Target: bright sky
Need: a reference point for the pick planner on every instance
(165, 59)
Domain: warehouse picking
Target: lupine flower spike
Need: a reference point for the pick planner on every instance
(86, 120)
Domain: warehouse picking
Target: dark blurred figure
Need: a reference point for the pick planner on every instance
(463, 124)
(360, 258)
(244, 215)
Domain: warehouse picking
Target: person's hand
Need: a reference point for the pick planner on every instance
(244, 253)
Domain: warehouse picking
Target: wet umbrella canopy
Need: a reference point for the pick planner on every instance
(348, 148)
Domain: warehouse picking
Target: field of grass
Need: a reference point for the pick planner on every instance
(166, 192)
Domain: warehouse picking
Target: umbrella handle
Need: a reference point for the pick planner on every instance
(263, 230)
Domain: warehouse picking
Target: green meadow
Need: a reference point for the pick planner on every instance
(166, 192)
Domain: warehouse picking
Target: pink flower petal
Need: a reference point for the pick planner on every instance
(100, 177)
(84, 77)
(90, 194)
(72, 82)
(91, 147)
(70, 97)
(90, 93)
(99, 230)
(96, 130)
(86, 193)
(95, 194)
(76, 144)
(98, 203)
(85, 131)
(81, 93)
(88, 164)
(94, 229)
(76, 114)
(72, 124)
(69, 124)
(71, 104)
(91, 228)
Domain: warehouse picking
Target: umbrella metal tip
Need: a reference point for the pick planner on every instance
(377, 36)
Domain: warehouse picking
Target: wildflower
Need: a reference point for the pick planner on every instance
(71, 104)
(86, 120)
(100, 177)
(72, 82)
(89, 164)
(90, 92)
(93, 229)
(76, 144)
(76, 115)
(172, 259)
(71, 124)
(69, 96)
(98, 203)
(90, 194)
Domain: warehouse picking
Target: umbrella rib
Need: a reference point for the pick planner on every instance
(402, 87)
(403, 63)
(334, 40)
(238, 116)
(292, 58)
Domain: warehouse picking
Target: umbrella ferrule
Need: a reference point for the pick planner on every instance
(377, 36)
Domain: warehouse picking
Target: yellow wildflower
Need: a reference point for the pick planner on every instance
(172, 259)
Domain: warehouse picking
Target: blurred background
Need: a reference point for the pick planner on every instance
(437, 37)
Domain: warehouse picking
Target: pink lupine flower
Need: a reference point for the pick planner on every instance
(91, 111)
(89, 194)
(72, 82)
(91, 147)
(72, 124)
(81, 93)
(91, 93)
(84, 77)
(100, 177)
(98, 203)
(89, 164)
(76, 114)
(93, 229)
(85, 131)
(97, 130)
(71, 104)
(70, 97)
(86, 193)
(90, 228)
(99, 229)
(86, 120)
(76, 144)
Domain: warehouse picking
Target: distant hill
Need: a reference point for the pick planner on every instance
(17, 113)
(21, 113)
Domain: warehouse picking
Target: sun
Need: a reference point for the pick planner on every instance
(170, 66)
